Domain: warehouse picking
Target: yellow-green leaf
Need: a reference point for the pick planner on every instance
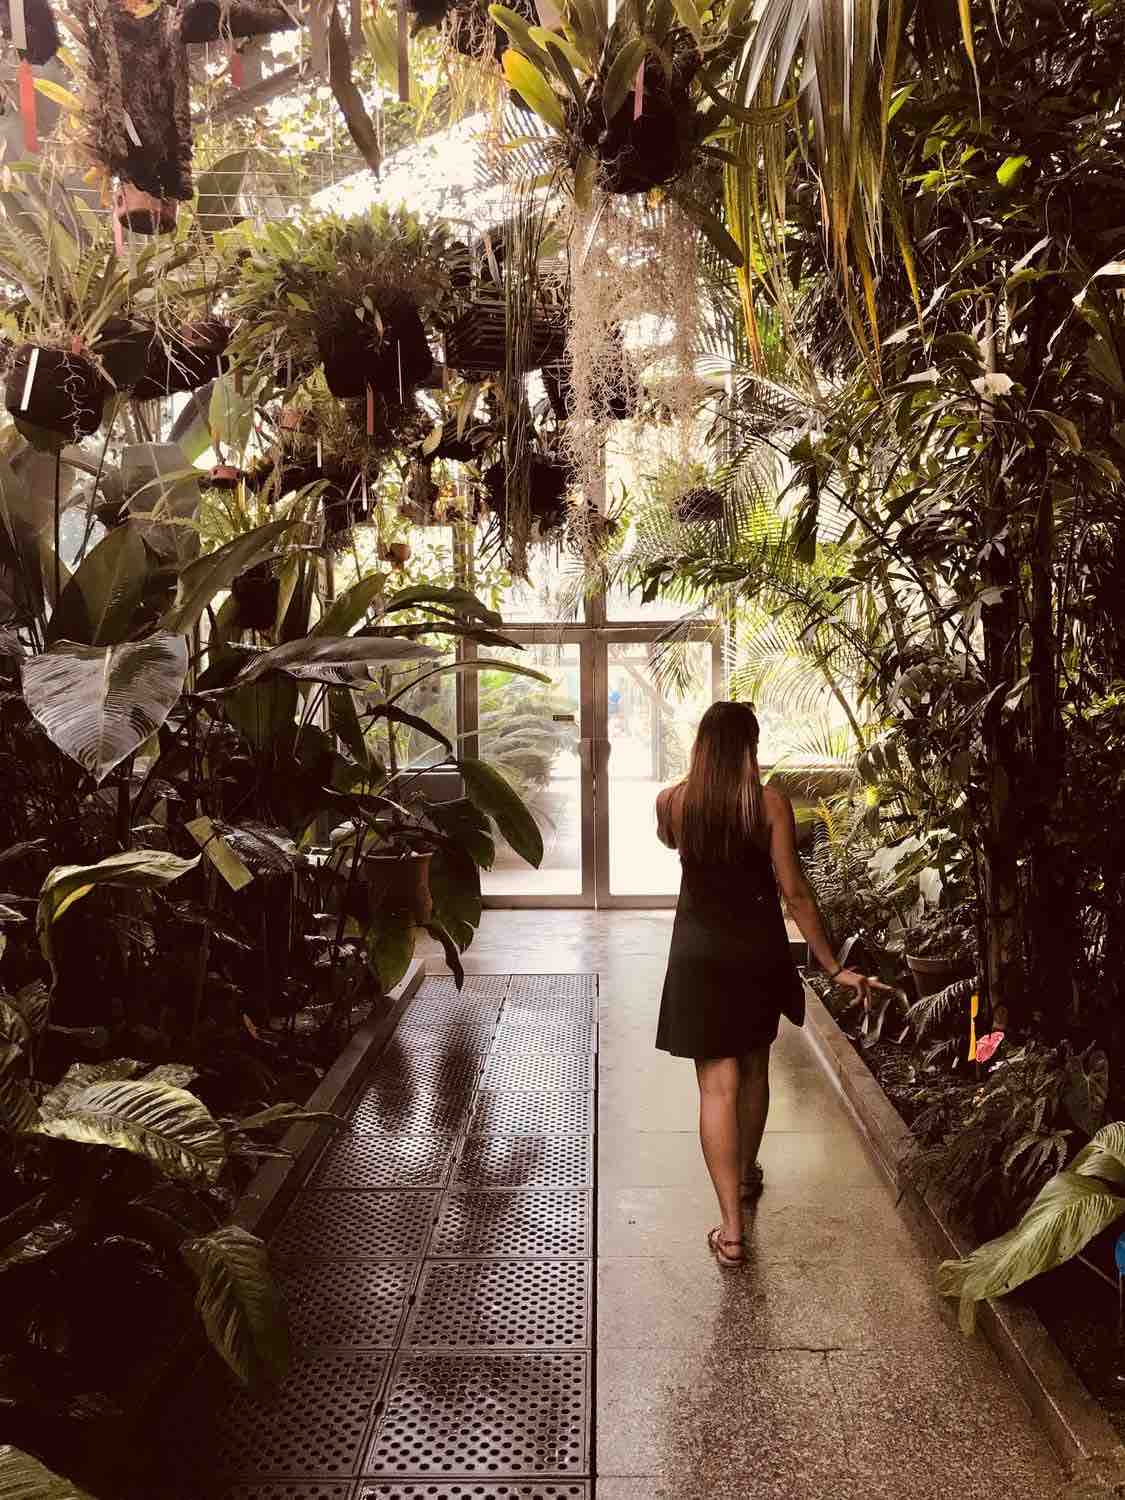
(533, 89)
(58, 95)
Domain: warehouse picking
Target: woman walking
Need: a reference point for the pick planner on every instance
(730, 974)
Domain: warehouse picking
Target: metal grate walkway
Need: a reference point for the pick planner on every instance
(438, 1265)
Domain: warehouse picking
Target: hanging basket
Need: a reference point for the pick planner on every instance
(477, 343)
(144, 213)
(67, 395)
(224, 477)
(934, 974)
(467, 447)
(187, 361)
(123, 347)
(355, 357)
(287, 477)
(211, 21)
(698, 505)
(635, 152)
(549, 482)
(616, 391)
(257, 592)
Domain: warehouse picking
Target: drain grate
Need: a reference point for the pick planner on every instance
(470, 1489)
(284, 1489)
(445, 1070)
(570, 986)
(565, 1038)
(385, 1159)
(524, 1113)
(355, 1225)
(548, 1012)
(510, 1415)
(503, 1305)
(538, 1070)
(476, 987)
(348, 1304)
(496, 1225)
(526, 1161)
(316, 1421)
(421, 1111)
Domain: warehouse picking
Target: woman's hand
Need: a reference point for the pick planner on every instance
(851, 979)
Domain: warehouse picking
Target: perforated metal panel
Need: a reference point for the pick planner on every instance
(476, 986)
(550, 1012)
(512, 1415)
(470, 1489)
(348, 1304)
(451, 1069)
(317, 1421)
(429, 1035)
(493, 1225)
(538, 1070)
(283, 1489)
(522, 1112)
(387, 1106)
(526, 1161)
(571, 986)
(384, 1159)
(502, 1305)
(355, 1225)
(563, 1038)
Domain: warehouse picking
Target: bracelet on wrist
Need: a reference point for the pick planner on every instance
(837, 972)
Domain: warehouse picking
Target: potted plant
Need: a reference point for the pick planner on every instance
(477, 342)
(699, 505)
(585, 89)
(939, 949)
(144, 212)
(185, 360)
(224, 477)
(395, 553)
(220, 20)
(56, 387)
(548, 484)
(357, 296)
(615, 392)
(257, 593)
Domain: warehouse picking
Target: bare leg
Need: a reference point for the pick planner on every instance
(718, 1132)
(753, 1105)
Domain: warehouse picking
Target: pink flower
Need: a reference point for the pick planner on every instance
(987, 1045)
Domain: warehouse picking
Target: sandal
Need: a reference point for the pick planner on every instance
(717, 1245)
(753, 1182)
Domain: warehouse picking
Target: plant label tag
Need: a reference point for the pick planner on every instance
(19, 26)
(220, 853)
(28, 385)
(370, 412)
(319, 455)
(550, 17)
(131, 129)
(639, 91)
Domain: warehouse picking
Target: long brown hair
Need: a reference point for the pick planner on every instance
(721, 801)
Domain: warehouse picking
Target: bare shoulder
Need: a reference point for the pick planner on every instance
(775, 803)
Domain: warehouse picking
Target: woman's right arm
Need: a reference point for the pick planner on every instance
(799, 894)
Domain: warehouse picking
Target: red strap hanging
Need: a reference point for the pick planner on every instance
(27, 109)
(237, 68)
(370, 411)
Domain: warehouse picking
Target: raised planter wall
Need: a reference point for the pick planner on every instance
(1075, 1423)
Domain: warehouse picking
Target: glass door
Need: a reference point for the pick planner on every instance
(650, 719)
(537, 734)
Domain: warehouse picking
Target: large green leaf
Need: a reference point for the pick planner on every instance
(264, 711)
(495, 796)
(533, 88)
(162, 490)
(213, 574)
(25, 1478)
(345, 613)
(240, 1304)
(81, 1076)
(325, 652)
(168, 1126)
(98, 703)
(462, 821)
(390, 948)
(477, 664)
(1065, 1216)
(145, 869)
(455, 888)
(99, 604)
(409, 721)
(18, 1109)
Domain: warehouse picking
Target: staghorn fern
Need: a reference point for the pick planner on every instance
(928, 1012)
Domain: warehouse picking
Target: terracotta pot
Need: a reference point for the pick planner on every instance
(224, 477)
(295, 419)
(396, 553)
(399, 884)
(144, 213)
(934, 974)
(67, 396)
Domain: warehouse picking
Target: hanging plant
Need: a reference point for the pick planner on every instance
(548, 484)
(420, 496)
(631, 102)
(42, 33)
(257, 592)
(144, 213)
(59, 390)
(699, 505)
(221, 20)
(184, 361)
(136, 106)
(359, 296)
(616, 392)
(478, 341)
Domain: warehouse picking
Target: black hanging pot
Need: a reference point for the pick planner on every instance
(286, 478)
(549, 482)
(698, 505)
(616, 393)
(67, 394)
(637, 153)
(123, 346)
(428, 12)
(477, 343)
(210, 21)
(39, 24)
(355, 357)
(466, 448)
(185, 362)
(257, 593)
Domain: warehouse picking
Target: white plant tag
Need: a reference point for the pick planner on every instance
(32, 366)
(19, 26)
(131, 129)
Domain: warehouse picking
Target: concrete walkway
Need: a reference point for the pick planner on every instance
(828, 1369)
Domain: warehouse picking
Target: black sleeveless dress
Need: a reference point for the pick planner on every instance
(730, 973)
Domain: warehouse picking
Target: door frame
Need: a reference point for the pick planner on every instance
(593, 641)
